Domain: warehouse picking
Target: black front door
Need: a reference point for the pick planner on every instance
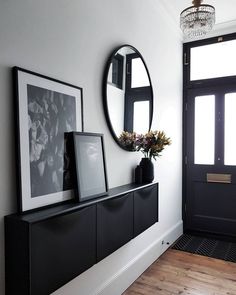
(210, 160)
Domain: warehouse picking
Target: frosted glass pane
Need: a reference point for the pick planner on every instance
(230, 123)
(139, 77)
(204, 136)
(141, 117)
(214, 60)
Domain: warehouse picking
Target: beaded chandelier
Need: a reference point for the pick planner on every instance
(197, 20)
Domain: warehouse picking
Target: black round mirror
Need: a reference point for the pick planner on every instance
(127, 93)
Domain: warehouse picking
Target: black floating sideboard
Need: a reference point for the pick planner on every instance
(46, 249)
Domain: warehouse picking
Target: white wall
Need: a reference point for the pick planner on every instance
(71, 41)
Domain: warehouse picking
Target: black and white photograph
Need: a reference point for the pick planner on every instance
(90, 165)
(47, 110)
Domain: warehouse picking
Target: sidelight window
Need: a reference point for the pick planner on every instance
(229, 130)
(204, 135)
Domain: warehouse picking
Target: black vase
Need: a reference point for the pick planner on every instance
(147, 170)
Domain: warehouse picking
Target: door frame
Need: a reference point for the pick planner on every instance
(197, 84)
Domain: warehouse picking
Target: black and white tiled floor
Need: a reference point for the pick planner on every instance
(207, 247)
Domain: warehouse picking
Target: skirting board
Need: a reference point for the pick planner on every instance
(106, 278)
(117, 284)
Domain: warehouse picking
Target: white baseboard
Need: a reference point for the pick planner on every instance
(114, 274)
(120, 281)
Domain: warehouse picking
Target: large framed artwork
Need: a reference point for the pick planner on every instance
(46, 110)
(90, 165)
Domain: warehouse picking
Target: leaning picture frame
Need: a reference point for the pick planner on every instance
(46, 109)
(90, 165)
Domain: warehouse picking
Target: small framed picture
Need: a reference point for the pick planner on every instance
(90, 165)
(46, 109)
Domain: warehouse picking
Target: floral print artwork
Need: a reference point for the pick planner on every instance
(50, 115)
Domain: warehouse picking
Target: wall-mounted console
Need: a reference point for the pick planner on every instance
(46, 249)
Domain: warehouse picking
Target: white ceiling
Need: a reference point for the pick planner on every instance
(225, 15)
(225, 9)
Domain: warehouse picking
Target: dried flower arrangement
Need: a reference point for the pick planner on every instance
(150, 144)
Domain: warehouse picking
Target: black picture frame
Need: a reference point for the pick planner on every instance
(90, 165)
(45, 110)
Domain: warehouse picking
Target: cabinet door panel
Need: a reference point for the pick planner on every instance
(114, 224)
(62, 248)
(145, 208)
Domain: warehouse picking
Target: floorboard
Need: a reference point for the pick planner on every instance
(177, 272)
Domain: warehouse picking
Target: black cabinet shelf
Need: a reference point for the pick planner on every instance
(47, 248)
(114, 224)
(145, 208)
(71, 206)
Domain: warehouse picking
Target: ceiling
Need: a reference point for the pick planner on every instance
(225, 9)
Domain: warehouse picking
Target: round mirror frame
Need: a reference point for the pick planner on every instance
(105, 104)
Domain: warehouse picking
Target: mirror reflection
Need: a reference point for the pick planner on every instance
(128, 93)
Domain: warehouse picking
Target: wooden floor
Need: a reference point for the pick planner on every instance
(177, 272)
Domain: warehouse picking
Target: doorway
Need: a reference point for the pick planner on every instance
(209, 203)
(210, 161)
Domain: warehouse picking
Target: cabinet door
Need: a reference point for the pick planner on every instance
(62, 248)
(114, 224)
(145, 208)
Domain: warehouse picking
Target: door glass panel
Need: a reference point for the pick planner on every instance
(141, 116)
(139, 77)
(230, 123)
(204, 136)
(213, 61)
